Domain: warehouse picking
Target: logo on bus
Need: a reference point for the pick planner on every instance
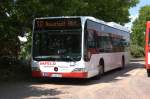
(47, 63)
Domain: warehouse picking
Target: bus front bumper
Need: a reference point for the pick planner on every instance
(60, 75)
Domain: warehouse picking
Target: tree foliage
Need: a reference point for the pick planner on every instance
(139, 26)
(138, 32)
(9, 43)
(17, 15)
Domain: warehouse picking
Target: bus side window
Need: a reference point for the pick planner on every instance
(104, 43)
(90, 44)
(100, 44)
(91, 39)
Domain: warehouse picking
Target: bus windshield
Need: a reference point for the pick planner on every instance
(57, 44)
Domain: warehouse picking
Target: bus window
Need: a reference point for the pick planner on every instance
(104, 43)
(91, 39)
(90, 44)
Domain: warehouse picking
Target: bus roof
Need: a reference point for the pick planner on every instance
(111, 24)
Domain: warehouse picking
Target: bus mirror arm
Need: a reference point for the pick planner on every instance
(86, 58)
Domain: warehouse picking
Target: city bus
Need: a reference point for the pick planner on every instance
(77, 47)
(147, 48)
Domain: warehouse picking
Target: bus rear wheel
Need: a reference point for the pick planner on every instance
(148, 72)
(123, 63)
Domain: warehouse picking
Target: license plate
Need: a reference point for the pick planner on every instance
(45, 74)
(56, 75)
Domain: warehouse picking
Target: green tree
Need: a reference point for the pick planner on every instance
(9, 42)
(139, 27)
(17, 15)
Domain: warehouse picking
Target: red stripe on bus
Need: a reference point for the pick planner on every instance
(36, 74)
(64, 75)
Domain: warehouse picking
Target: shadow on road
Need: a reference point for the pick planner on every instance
(119, 74)
(27, 89)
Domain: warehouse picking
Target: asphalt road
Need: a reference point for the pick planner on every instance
(130, 83)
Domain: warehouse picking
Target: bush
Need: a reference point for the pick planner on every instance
(137, 51)
(19, 71)
(25, 53)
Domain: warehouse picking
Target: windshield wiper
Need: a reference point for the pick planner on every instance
(57, 58)
(46, 58)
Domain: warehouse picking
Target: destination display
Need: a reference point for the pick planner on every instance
(62, 23)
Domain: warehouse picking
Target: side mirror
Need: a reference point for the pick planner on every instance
(86, 58)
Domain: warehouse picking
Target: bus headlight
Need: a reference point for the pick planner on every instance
(79, 70)
(72, 63)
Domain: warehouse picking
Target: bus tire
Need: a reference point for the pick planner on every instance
(101, 70)
(123, 63)
(148, 72)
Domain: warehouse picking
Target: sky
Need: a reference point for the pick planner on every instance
(134, 12)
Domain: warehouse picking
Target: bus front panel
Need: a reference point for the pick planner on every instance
(56, 50)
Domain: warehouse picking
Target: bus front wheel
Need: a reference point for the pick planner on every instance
(100, 69)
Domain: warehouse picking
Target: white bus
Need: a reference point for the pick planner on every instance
(77, 47)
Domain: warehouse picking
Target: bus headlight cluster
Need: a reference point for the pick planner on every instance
(72, 64)
(79, 70)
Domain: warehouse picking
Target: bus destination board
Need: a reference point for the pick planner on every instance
(61, 23)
